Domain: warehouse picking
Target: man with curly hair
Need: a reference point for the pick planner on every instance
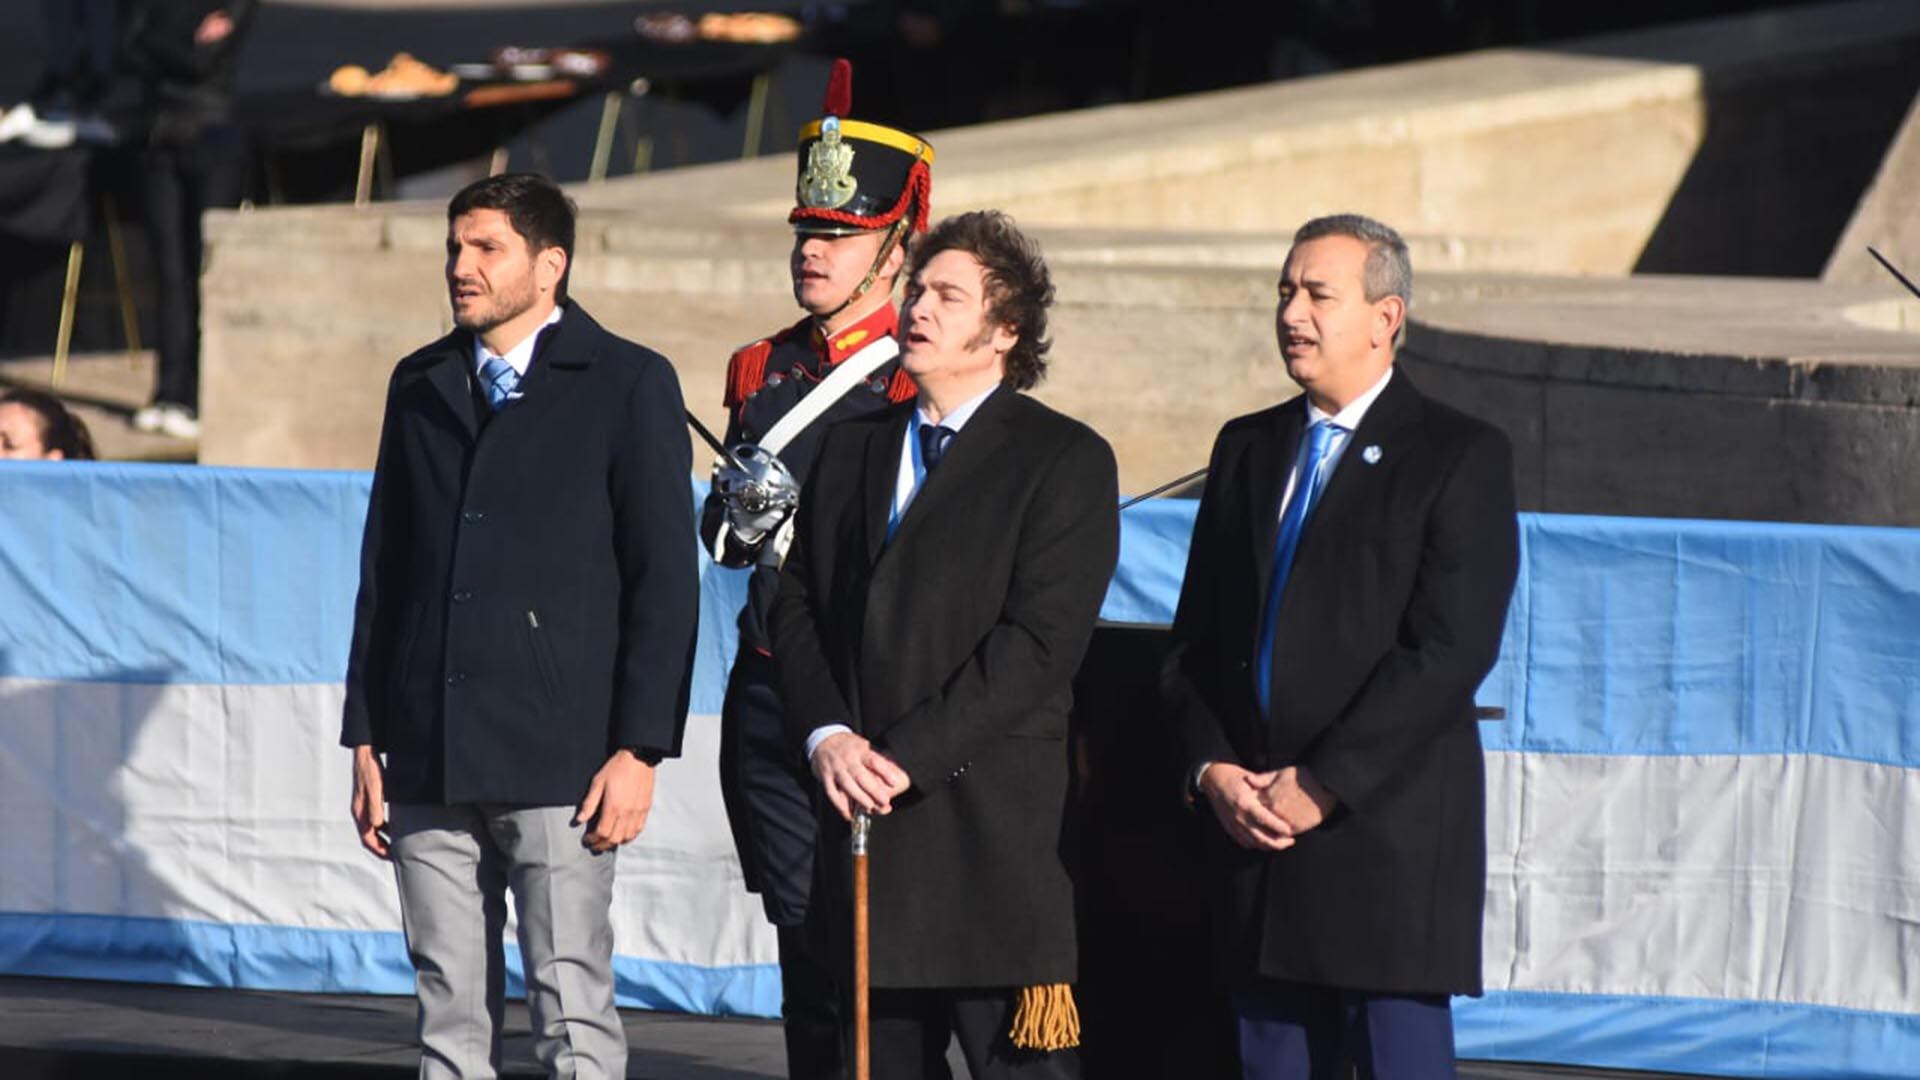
(947, 569)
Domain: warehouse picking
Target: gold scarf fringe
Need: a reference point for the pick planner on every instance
(1046, 1018)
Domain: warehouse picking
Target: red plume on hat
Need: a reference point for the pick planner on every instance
(839, 100)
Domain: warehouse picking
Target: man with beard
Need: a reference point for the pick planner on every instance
(523, 640)
(861, 189)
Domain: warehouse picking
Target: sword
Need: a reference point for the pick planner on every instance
(700, 429)
(862, 1020)
(1891, 269)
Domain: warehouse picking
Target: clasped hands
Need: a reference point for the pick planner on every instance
(1265, 811)
(856, 777)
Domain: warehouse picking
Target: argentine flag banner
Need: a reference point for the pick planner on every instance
(1703, 800)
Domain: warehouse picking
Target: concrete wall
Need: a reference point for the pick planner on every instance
(1728, 398)
(1155, 357)
(1888, 218)
(1166, 223)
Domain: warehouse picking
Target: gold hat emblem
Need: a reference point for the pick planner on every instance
(828, 183)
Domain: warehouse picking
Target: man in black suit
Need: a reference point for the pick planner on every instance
(949, 564)
(523, 640)
(1345, 594)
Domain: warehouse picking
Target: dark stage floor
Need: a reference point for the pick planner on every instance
(58, 1029)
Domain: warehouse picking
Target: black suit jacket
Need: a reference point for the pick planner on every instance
(953, 648)
(529, 579)
(1392, 615)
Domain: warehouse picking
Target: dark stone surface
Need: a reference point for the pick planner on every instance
(1643, 433)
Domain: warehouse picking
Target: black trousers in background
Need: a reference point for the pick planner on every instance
(178, 184)
(81, 37)
(911, 1029)
(767, 788)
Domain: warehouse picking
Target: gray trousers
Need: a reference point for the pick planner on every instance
(455, 865)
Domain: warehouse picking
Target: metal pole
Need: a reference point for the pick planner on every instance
(122, 282)
(862, 1019)
(1895, 271)
(69, 300)
(1166, 487)
(756, 114)
(603, 139)
(363, 180)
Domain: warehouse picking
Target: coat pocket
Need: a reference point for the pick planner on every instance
(541, 647)
(401, 664)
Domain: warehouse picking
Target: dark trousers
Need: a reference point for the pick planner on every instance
(1294, 1031)
(178, 184)
(80, 45)
(767, 789)
(911, 1029)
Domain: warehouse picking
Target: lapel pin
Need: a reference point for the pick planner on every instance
(1370, 454)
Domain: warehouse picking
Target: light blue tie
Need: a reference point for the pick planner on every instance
(501, 382)
(1292, 522)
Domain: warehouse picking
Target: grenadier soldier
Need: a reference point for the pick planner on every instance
(862, 190)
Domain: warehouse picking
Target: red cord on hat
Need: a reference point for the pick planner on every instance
(918, 190)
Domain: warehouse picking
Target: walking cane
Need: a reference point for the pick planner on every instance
(862, 1030)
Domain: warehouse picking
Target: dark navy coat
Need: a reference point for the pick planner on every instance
(529, 579)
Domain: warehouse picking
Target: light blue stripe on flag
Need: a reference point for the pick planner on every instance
(1626, 636)
(191, 953)
(1759, 1039)
(150, 574)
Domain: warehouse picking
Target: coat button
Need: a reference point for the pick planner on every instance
(462, 596)
(473, 517)
(455, 678)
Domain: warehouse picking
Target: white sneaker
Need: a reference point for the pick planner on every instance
(166, 418)
(16, 122)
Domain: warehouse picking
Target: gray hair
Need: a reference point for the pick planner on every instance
(1389, 270)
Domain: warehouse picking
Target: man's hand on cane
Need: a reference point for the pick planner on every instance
(856, 777)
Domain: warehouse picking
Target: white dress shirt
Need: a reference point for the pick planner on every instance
(518, 357)
(1346, 421)
(912, 474)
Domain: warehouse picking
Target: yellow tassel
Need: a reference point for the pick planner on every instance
(1046, 1018)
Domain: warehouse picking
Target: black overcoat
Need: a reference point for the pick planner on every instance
(953, 648)
(1392, 615)
(529, 580)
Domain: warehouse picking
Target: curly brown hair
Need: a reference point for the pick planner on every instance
(1019, 287)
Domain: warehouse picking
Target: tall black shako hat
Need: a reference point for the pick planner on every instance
(856, 176)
